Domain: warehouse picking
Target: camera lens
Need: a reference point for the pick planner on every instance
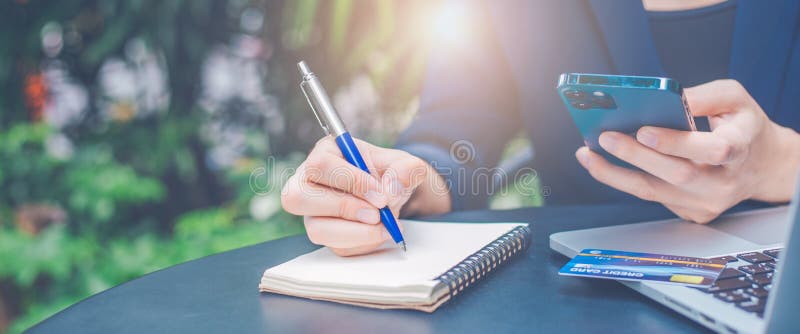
(605, 104)
(581, 105)
(574, 94)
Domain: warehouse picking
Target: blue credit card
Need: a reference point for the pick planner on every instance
(629, 266)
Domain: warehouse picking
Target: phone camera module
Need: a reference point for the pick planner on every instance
(605, 103)
(602, 100)
(594, 99)
(574, 94)
(581, 105)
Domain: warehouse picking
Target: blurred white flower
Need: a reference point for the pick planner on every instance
(358, 103)
(59, 146)
(135, 86)
(52, 39)
(218, 83)
(239, 110)
(264, 206)
(67, 101)
(118, 80)
(233, 74)
(228, 143)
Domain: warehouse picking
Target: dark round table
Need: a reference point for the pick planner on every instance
(219, 294)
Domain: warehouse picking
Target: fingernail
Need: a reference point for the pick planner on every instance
(608, 141)
(647, 137)
(385, 234)
(375, 198)
(583, 157)
(368, 216)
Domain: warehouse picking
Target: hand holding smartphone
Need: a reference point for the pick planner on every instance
(599, 103)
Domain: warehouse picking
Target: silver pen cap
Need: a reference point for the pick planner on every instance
(320, 102)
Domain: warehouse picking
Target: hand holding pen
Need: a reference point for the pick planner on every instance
(322, 107)
(341, 202)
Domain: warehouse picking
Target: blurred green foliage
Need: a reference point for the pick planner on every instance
(137, 134)
(100, 187)
(99, 246)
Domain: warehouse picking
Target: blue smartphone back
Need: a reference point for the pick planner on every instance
(599, 103)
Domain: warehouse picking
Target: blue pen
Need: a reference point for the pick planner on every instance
(332, 124)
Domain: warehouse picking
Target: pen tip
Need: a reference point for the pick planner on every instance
(403, 245)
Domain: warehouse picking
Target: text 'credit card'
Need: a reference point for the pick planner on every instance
(629, 266)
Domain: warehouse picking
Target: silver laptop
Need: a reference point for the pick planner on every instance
(762, 247)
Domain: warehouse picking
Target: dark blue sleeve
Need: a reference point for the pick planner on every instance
(468, 112)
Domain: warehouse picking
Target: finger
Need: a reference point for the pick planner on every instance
(361, 250)
(679, 211)
(716, 97)
(636, 183)
(408, 168)
(340, 233)
(690, 214)
(403, 178)
(401, 173)
(674, 170)
(703, 147)
(396, 203)
(310, 199)
(333, 171)
(367, 151)
(328, 144)
(365, 148)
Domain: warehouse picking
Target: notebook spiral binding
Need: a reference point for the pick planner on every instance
(485, 260)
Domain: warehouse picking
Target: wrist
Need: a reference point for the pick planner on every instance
(780, 174)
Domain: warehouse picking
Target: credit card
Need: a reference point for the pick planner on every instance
(629, 266)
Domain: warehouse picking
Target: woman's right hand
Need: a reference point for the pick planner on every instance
(340, 202)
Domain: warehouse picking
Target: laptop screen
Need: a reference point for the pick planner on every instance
(784, 303)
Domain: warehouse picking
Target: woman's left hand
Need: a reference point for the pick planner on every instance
(699, 175)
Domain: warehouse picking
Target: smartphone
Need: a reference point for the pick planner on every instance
(599, 102)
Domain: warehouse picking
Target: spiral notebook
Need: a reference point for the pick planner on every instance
(442, 260)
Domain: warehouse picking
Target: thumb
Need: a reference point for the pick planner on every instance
(716, 97)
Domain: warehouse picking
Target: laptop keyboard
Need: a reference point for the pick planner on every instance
(746, 285)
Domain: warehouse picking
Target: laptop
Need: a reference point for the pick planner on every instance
(759, 290)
